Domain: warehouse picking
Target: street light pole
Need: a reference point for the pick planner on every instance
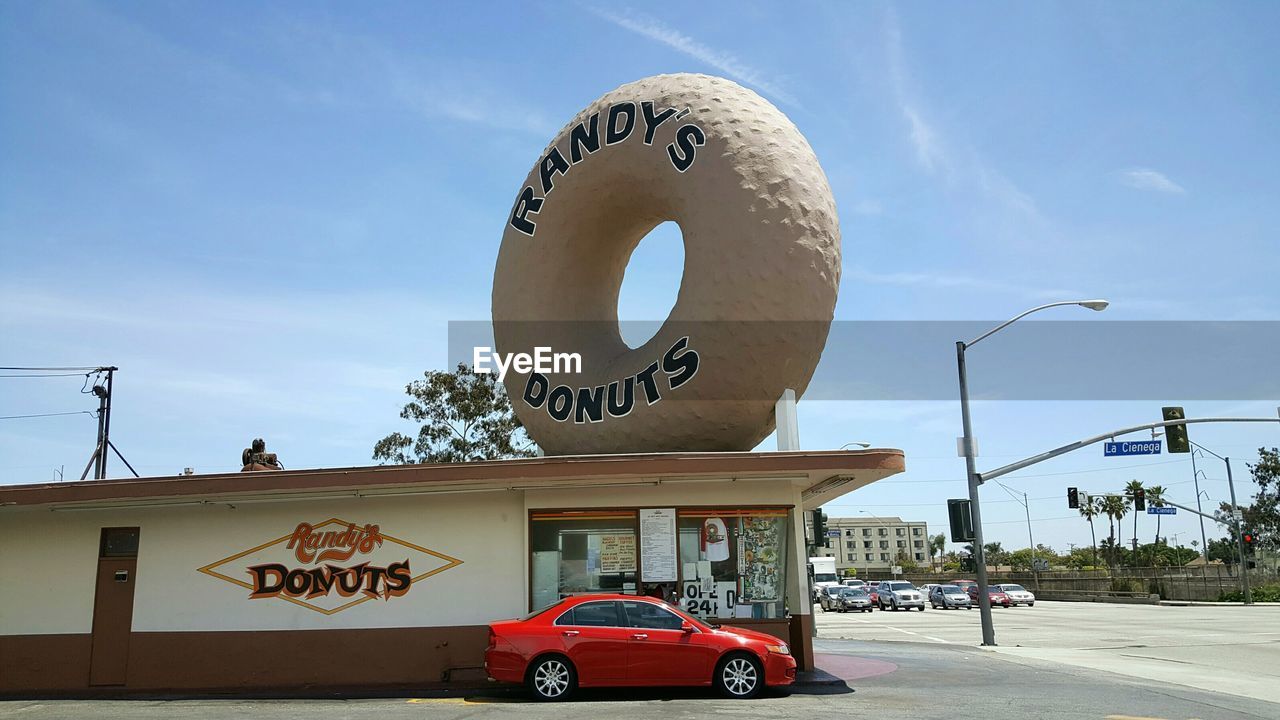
(1236, 523)
(970, 461)
(971, 472)
(1195, 477)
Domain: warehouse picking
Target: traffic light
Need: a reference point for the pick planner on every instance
(1179, 442)
(820, 529)
(960, 513)
(1073, 498)
(1139, 500)
(1250, 542)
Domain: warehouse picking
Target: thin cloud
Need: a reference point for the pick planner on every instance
(943, 281)
(725, 62)
(1148, 179)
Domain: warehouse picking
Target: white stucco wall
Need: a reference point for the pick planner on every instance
(49, 562)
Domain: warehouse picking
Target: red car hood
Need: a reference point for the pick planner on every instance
(752, 634)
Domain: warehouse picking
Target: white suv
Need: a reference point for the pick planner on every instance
(897, 594)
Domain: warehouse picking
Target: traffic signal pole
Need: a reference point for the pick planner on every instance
(1050, 454)
(971, 471)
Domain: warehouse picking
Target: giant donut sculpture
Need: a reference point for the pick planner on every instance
(761, 270)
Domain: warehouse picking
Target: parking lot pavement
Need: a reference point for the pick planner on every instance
(892, 681)
(1233, 649)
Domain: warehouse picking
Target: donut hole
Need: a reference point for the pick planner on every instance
(650, 284)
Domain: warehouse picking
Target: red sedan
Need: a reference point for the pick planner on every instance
(627, 640)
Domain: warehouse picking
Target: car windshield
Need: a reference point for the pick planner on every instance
(1012, 588)
(824, 577)
(901, 586)
(994, 589)
(951, 589)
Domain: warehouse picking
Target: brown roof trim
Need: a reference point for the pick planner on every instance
(817, 464)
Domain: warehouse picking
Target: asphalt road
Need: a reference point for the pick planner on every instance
(1229, 649)
(1062, 660)
(885, 680)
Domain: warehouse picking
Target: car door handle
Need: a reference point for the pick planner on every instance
(639, 636)
(571, 633)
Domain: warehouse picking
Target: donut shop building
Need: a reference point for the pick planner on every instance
(386, 577)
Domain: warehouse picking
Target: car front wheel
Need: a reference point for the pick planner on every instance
(739, 676)
(552, 678)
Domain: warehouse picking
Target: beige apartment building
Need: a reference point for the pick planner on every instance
(875, 543)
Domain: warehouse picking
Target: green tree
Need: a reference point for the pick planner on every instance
(1263, 516)
(1091, 510)
(1020, 559)
(1225, 550)
(462, 416)
(1115, 507)
(937, 544)
(1155, 496)
(907, 562)
(1131, 490)
(995, 554)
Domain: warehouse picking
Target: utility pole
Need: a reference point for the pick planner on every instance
(98, 461)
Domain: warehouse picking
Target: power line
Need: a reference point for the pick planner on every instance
(48, 375)
(87, 368)
(40, 415)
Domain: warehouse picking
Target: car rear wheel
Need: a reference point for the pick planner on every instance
(739, 676)
(552, 678)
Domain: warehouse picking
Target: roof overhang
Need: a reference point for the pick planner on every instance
(820, 476)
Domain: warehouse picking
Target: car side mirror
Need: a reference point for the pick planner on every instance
(686, 628)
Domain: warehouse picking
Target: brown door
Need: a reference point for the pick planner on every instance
(113, 606)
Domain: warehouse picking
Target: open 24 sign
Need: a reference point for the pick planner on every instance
(709, 599)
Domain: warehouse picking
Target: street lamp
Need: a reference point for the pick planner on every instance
(971, 470)
(886, 527)
(863, 445)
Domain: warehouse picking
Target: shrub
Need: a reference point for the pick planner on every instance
(1266, 593)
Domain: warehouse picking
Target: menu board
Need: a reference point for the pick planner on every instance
(658, 545)
(617, 553)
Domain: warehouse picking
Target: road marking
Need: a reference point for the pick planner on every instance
(905, 632)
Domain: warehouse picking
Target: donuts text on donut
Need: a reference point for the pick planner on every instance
(584, 140)
(616, 399)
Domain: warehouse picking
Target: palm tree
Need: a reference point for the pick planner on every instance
(1115, 507)
(1155, 496)
(994, 553)
(1090, 510)
(1131, 489)
(937, 544)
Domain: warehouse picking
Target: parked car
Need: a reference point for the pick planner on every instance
(617, 640)
(897, 594)
(1018, 595)
(854, 582)
(874, 592)
(995, 593)
(927, 588)
(827, 596)
(853, 599)
(949, 596)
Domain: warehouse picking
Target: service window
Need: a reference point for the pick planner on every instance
(581, 552)
(733, 563)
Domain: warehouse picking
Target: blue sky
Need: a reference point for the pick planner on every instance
(267, 214)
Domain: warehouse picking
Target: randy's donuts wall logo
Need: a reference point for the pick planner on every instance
(331, 566)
